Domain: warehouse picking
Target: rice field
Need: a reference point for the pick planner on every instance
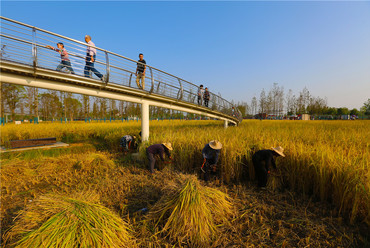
(319, 195)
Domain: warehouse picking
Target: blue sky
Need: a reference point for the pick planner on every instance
(235, 48)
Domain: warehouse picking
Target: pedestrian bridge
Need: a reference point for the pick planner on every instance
(26, 60)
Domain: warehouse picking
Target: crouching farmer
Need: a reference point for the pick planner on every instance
(158, 149)
(128, 142)
(263, 160)
(210, 153)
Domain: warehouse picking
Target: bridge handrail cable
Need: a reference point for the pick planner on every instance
(117, 68)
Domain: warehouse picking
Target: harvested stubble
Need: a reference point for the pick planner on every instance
(60, 221)
(190, 214)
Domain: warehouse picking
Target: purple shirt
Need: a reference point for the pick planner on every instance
(158, 149)
(63, 53)
(90, 50)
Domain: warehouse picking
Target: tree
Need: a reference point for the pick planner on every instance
(242, 108)
(331, 111)
(86, 106)
(50, 104)
(316, 105)
(366, 107)
(263, 100)
(354, 112)
(254, 106)
(342, 111)
(12, 94)
(290, 102)
(302, 101)
(72, 105)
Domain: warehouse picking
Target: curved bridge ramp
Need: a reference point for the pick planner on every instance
(26, 60)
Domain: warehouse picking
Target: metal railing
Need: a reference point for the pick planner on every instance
(26, 44)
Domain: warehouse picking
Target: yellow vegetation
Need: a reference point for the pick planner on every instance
(328, 160)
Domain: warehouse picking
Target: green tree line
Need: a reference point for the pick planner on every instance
(276, 102)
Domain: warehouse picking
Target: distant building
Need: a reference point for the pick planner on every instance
(305, 117)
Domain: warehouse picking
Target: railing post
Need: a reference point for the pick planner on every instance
(34, 48)
(226, 123)
(181, 90)
(152, 77)
(159, 83)
(106, 79)
(129, 83)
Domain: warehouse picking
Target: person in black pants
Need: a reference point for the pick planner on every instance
(206, 97)
(210, 153)
(262, 160)
(159, 149)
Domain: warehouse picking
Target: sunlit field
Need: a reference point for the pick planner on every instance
(318, 196)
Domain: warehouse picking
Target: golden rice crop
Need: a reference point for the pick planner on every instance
(326, 159)
(191, 212)
(60, 221)
(259, 218)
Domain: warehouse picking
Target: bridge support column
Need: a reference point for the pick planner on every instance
(226, 124)
(144, 121)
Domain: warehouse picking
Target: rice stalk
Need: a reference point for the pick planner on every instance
(191, 213)
(60, 221)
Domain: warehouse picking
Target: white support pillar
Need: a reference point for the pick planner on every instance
(226, 123)
(144, 121)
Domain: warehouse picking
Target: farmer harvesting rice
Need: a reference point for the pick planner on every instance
(210, 153)
(262, 160)
(158, 149)
(128, 142)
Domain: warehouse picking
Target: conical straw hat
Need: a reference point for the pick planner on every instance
(279, 150)
(215, 144)
(168, 145)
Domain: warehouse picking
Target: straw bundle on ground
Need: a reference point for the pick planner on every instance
(58, 221)
(191, 213)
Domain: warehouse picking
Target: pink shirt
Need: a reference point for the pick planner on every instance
(63, 53)
(90, 50)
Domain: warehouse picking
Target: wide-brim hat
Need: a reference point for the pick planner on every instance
(168, 146)
(215, 144)
(279, 150)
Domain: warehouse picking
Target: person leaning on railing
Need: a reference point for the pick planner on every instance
(65, 62)
(90, 59)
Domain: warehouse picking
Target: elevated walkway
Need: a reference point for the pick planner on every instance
(25, 60)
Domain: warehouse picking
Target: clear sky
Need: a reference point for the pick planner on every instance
(235, 48)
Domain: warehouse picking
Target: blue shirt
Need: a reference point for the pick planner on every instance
(210, 154)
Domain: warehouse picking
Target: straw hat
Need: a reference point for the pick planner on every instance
(279, 150)
(215, 144)
(168, 146)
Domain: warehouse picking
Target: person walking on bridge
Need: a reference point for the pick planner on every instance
(65, 62)
(90, 59)
(140, 72)
(158, 149)
(206, 97)
(263, 160)
(200, 94)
